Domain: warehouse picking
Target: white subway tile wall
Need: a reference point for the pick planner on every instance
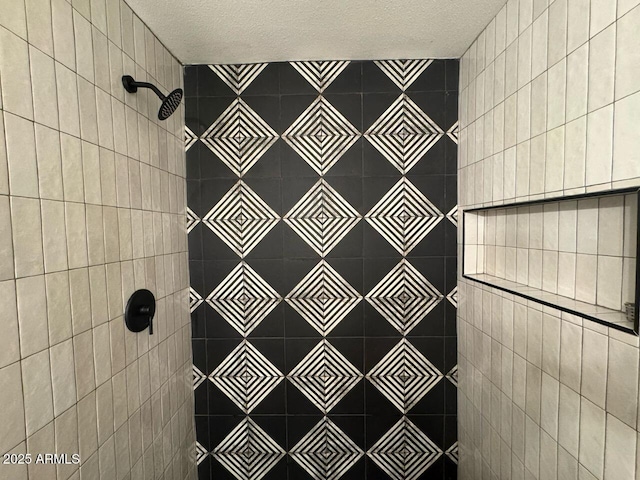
(92, 207)
(549, 106)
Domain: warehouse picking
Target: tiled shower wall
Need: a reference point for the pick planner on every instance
(549, 106)
(92, 205)
(322, 203)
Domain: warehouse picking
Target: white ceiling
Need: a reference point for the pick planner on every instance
(245, 31)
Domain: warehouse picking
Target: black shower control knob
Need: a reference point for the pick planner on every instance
(140, 310)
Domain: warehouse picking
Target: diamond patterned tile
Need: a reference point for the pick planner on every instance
(404, 216)
(452, 215)
(452, 376)
(192, 220)
(241, 219)
(323, 298)
(325, 376)
(404, 134)
(326, 452)
(404, 452)
(238, 77)
(320, 74)
(243, 299)
(453, 296)
(452, 453)
(322, 217)
(239, 137)
(198, 377)
(201, 453)
(190, 138)
(321, 135)
(452, 133)
(195, 300)
(403, 72)
(246, 376)
(404, 376)
(247, 452)
(404, 297)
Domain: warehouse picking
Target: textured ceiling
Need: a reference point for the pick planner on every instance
(245, 31)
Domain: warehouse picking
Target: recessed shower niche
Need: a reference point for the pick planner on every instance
(576, 253)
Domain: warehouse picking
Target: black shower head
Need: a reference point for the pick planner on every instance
(169, 103)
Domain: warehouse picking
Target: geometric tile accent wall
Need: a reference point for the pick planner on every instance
(322, 230)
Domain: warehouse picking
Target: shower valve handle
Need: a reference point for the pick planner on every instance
(140, 310)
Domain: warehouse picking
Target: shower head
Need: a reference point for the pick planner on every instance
(169, 102)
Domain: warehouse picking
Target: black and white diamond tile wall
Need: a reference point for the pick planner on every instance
(404, 134)
(322, 226)
(323, 298)
(246, 376)
(326, 452)
(320, 74)
(404, 376)
(322, 217)
(239, 137)
(404, 452)
(325, 376)
(321, 135)
(404, 297)
(243, 299)
(248, 452)
(404, 216)
(241, 219)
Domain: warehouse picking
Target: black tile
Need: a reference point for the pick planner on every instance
(291, 82)
(434, 161)
(433, 104)
(266, 83)
(350, 163)
(349, 80)
(375, 80)
(210, 108)
(349, 105)
(453, 72)
(298, 403)
(267, 107)
(374, 105)
(210, 84)
(292, 106)
(432, 79)
(269, 163)
(211, 166)
(204, 469)
(219, 403)
(191, 81)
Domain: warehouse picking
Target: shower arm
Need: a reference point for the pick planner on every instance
(131, 86)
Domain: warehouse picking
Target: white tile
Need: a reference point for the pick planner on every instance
(523, 129)
(622, 385)
(87, 426)
(27, 236)
(575, 153)
(599, 146)
(54, 238)
(91, 175)
(626, 142)
(539, 45)
(95, 234)
(627, 54)
(554, 162)
(577, 82)
(630, 225)
(539, 105)
(566, 274)
(63, 40)
(586, 270)
(592, 431)
(611, 226)
(609, 283)
(578, 23)
(38, 396)
(557, 31)
(524, 57)
(511, 70)
(9, 341)
(4, 169)
(88, 111)
(620, 449)
(49, 163)
(72, 176)
(594, 367)
(66, 435)
(83, 357)
(42, 441)
(63, 376)
(126, 20)
(603, 14)
(7, 270)
(556, 93)
(113, 21)
(16, 79)
(537, 164)
(84, 46)
(626, 5)
(45, 101)
(21, 156)
(12, 411)
(602, 68)
(522, 169)
(105, 119)
(101, 60)
(39, 25)
(569, 420)
(58, 307)
(588, 215)
(99, 15)
(13, 17)
(69, 117)
(76, 235)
